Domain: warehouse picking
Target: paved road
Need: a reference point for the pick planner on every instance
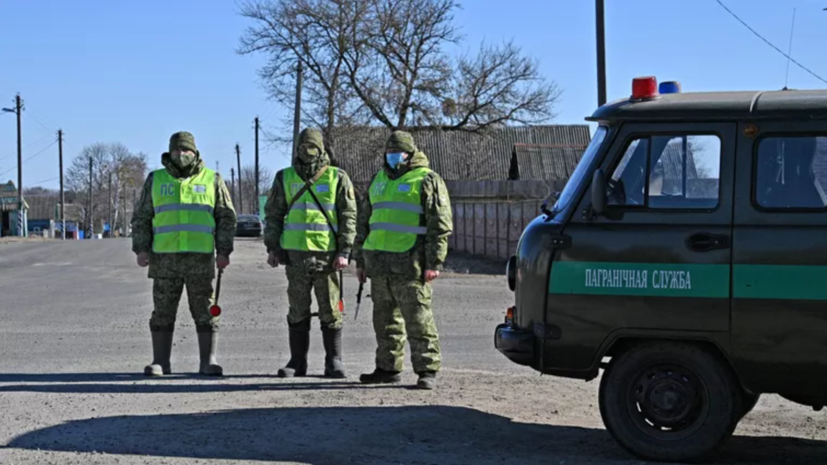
(75, 339)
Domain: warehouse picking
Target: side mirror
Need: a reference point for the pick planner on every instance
(599, 193)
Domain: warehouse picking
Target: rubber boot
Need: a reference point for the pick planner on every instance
(332, 339)
(161, 353)
(427, 380)
(207, 345)
(380, 376)
(299, 346)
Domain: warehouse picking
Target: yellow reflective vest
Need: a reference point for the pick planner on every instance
(305, 227)
(397, 216)
(183, 220)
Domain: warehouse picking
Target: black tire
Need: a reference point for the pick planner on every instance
(748, 402)
(669, 401)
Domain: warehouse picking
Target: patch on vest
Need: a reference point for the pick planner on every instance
(378, 188)
(167, 189)
(200, 188)
(323, 188)
(404, 188)
(295, 187)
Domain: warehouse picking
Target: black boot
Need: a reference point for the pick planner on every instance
(207, 345)
(332, 339)
(380, 376)
(299, 346)
(161, 352)
(427, 380)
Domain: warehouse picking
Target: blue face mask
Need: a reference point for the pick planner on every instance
(394, 159)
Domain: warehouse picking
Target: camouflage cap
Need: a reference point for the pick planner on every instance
(312, 137)
(182, 140)
(401, 141)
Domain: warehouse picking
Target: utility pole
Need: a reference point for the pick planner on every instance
(240, 184)
(297, 111)
(601, 53)
(62, 197)
(232, 185)
(18, 110)
(256, 202)
(91, 219)
(109, 206)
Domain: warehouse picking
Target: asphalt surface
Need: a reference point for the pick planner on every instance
(75, 338)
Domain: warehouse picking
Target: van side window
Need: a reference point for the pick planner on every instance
(627, 184)
(791, 173)
(684, 172)
(668, 172)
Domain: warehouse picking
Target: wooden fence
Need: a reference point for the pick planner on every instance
(489, 216)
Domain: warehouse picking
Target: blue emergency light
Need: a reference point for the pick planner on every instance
(669, 87)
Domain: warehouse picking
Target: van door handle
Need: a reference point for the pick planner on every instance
(704, 242)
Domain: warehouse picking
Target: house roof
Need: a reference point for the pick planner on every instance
(463, 155)
(8, 198)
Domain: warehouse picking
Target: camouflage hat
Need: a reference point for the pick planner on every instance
(182, 140)
(401, 141)
(312, 137)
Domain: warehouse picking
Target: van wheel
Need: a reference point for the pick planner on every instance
(669, 401)
(748, 402)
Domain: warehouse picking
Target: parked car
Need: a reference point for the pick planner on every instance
(249, 225)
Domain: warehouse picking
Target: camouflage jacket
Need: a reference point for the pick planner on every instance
(275, 210)
(430, 250)
(183, 264)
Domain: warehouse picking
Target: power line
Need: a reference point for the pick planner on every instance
(770, 43)
(28, 146)
(38, 121)
(41, 151)
(47, 180)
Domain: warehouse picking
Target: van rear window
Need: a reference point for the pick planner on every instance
(791, 173)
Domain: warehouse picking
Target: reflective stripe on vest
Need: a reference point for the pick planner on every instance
(183, 220)
(396, 217)
(305, 227)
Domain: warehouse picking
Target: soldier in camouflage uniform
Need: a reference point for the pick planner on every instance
(298, 236)
(401, 244)
(180, 221)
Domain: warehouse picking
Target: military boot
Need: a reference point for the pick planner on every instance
(207, 345)
(299, 346)
(427, 380)
(332, 339)
(161, 352)
(380, 376)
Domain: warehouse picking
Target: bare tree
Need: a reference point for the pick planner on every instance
(385, 62)
(317, 33)
(127, 171)
(248, 189)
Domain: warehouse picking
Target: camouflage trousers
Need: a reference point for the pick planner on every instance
(402, 310)
(166, 294)
(300, 281)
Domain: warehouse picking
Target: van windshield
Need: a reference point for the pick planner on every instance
(580, 172)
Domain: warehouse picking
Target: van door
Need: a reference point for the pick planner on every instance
(660, 264)
(779, 312)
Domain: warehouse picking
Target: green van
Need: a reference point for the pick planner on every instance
(687, 258)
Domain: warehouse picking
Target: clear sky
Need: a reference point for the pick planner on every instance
(135, 72)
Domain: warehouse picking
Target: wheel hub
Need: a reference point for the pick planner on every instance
(667, 399)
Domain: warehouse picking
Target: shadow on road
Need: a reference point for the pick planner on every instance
(117, 377)
(370, 435)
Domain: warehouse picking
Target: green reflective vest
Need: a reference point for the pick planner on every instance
(397, 213)
(305, 227)
(183, 220)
